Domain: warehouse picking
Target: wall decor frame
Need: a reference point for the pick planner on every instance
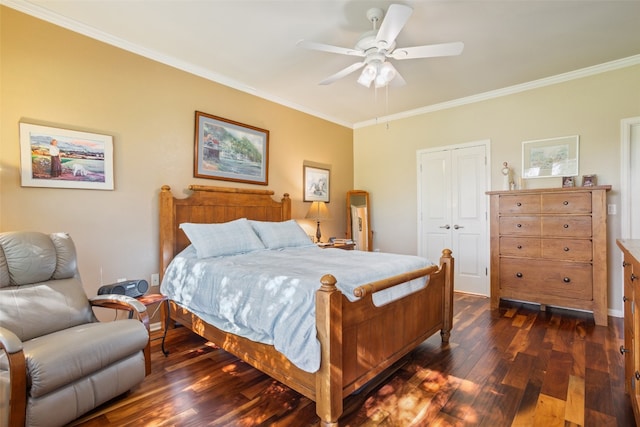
(64, 158)
(230, 151)
(315, 184)
(553, 157)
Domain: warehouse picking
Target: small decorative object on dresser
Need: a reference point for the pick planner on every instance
(549, 246)
(589, 180)
(568, 181)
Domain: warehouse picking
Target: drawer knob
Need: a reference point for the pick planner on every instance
(566, 249)
(637, 375)
(624, 264)
(566, 202)
(633, 277)
(519, 225)
(519, 246)
(623, 351)
(566, 280)
(519, 275)
(566, 226)
(519, 204)
(625, 299)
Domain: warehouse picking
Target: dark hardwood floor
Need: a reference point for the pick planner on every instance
(516, 366)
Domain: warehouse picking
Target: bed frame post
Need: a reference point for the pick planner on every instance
(329, 376)
(167, 231)
(447, 262)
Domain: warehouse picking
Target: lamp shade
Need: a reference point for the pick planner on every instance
(318, 211)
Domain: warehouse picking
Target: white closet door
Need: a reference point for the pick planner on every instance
(453, 212)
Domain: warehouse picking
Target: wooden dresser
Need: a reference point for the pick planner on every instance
(631, 297)
(549, 246)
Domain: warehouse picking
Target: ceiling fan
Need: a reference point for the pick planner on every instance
(379, 45)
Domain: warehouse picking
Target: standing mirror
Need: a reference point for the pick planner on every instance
(358, 220)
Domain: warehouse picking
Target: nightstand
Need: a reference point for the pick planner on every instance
(343, 246)
(163, 302)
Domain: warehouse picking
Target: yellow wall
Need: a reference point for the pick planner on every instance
(56, 77)
(592, 107)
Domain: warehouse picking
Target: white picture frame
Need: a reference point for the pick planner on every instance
(553, 157)
(82, 160)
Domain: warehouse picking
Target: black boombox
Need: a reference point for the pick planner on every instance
(132, 288)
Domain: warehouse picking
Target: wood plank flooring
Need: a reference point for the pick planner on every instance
(516, 366)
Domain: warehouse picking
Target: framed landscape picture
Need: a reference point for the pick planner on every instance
(545, 158)
(230, 151)
(65, 158)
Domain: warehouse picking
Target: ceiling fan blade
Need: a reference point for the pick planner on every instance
(342, 73)
(428, 51)
(397, 15)
(329, 48)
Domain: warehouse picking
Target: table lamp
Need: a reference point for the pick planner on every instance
(318, 211)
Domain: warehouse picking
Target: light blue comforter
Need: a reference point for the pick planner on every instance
(269, 295)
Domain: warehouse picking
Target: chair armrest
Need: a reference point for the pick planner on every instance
(17, 377)
(9, 341)
(122, 302)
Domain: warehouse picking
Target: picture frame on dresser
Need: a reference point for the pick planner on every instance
(552, 157)
(230, 151)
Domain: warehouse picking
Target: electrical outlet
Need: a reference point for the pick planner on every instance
(612, 209)
(155, 279)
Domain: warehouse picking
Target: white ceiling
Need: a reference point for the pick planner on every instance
(251, 45)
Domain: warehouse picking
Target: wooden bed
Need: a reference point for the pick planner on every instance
(358, 340)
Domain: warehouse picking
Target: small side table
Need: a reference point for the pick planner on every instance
(343, 246)
(163, 300)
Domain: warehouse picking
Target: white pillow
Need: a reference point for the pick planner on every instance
(227, 238)
(286, 234)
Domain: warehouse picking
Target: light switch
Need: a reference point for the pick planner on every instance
(612, 209)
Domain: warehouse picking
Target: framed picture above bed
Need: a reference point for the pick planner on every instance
(316, 184)
(230, 151)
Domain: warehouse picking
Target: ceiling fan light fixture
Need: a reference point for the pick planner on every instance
(368, 75)
(386, 73)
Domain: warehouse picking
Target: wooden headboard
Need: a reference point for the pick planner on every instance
(212, 205)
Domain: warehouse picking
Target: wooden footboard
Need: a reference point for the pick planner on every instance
(358, 340)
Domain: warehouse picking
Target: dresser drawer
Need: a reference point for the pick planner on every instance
(566, 226)
(559, 203)
(567, 249)
(520, 246)
(516, 204)
(536, 279)
(520, 225)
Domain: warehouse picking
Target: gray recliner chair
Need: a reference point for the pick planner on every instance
(57, 361)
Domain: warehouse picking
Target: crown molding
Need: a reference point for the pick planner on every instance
(510, 90)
